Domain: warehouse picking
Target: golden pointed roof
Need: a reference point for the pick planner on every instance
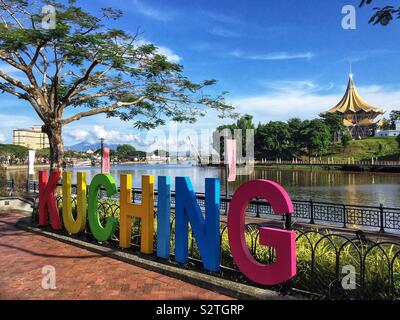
(347, 123)
(380, 123)
(352, 102)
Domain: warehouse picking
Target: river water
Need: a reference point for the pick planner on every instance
(326, 186)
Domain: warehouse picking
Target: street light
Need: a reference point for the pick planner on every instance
(101, 150)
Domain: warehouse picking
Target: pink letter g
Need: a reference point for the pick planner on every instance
(284, 242)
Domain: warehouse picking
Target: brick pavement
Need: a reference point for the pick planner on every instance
(80, 274)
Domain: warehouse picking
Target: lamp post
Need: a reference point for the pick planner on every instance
(101, 150)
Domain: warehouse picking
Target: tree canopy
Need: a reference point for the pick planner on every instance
(273, 138)
(383, 15)
(84, 67)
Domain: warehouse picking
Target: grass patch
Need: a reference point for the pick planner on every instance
(385, 148)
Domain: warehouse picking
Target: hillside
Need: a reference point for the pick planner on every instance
(10, 149)
(85, 146)
(385, 148)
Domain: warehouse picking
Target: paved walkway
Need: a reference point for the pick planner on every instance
(80, 274)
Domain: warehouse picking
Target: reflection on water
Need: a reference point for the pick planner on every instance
(330, 186)
(335, 186)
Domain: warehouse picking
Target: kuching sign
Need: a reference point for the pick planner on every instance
(187, 211)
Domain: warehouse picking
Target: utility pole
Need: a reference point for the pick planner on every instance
(101, 150)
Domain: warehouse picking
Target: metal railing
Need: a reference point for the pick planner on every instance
(323, 258)
(328, 162)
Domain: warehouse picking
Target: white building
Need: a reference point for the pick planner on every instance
(32, 138)
(389, 133)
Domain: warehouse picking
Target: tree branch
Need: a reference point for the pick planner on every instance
(102, 110)
(14, 82)
(11, 62)
(71, 91)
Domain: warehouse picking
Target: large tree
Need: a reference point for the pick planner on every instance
(83, 68)
(245, 122)
(316, 137)
(335, 125)
(273, 140)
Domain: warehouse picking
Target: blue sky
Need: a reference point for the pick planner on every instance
(277, 59)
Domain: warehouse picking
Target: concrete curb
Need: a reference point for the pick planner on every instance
(205, 281)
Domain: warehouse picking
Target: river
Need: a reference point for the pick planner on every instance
(326, 186)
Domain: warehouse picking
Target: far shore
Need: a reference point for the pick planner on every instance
(23, 166)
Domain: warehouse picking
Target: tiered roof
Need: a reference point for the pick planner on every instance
(352, 102)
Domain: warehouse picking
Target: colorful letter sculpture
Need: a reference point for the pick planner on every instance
(205, 231)
(99, 232)
(144, 211)
(283, 241)
(205, 226)
(164, 217)
(72, 225)
(47, 201)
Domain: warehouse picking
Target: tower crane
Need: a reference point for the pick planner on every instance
(196, 152)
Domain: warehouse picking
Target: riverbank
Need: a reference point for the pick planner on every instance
(333, 167)
(23, 167)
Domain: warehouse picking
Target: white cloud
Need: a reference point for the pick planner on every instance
(219, 17)
(9, 122)
(113, 136)
(222, 32)
(273, 56)
(170, 54)
(77, 134)
(3, 138)
(296, 85)
(308, 102)
(151, 12)
(96, 132)
(13, 72)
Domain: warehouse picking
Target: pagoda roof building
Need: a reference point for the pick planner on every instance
(358, 115)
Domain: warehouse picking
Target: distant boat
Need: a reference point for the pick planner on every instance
(82, 163)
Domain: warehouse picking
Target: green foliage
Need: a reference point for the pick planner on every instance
(316, 257)
(295, 128)
(244, 123)
(161, 153)
(382, 15)
(273, 138)
(316, 137)
(385, 148)
(85, 63)
(335, 124)
(18, 152)
(45, 153)
(345, 140)
(127, 152)
(387, 125)
(394, 116)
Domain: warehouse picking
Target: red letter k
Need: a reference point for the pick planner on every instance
(47, 202)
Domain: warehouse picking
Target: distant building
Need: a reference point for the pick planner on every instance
(389, 133)
(32, 138)
(358, 115)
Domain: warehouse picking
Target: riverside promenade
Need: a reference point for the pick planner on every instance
(80, 274)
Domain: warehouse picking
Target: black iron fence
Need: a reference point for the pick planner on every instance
(329, 265)
(378, 218)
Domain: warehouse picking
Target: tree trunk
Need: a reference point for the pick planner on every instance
(54, 132)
